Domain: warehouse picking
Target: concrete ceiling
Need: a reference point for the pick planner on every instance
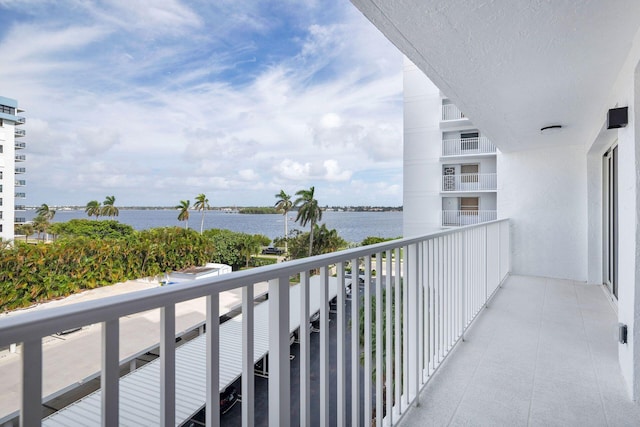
(514, 66)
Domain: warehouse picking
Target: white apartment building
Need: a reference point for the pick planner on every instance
(450, 177)
(11, 168)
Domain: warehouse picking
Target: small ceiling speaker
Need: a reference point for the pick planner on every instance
(617, 117)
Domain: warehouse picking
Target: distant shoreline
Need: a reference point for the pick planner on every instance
(233, 209)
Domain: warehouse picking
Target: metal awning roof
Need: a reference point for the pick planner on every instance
(140, 390)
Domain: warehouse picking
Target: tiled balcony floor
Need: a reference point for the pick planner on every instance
(543, 354)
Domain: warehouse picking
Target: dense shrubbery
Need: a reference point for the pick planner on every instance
(324, 241)
(91, 228)
(35, 273)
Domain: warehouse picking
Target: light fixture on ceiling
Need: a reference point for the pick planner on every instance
(551, 129)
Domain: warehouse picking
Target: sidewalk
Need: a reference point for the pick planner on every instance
(72, 359)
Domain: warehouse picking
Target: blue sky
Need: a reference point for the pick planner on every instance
(235, 99)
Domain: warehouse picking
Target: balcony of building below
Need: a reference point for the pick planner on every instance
(20, 208)
(20, 157)
(20, 120)
(20, 220)
(467, 147)
(18, 133)
(20, 145)
(20, 195)
(20, 182)
(453, 118)
(460, 218)
(21, 170)
(469, 182)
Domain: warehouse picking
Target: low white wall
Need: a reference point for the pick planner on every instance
(544, 194)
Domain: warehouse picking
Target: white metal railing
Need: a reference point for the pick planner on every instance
(464, 146)
(451, 112)
(470, 182)
(433, 287)
(19, 132)
(467, 217)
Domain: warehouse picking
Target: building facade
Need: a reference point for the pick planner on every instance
(11, 167)
(450, 176)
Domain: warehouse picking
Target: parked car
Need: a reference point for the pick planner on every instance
(272, 251)
(228, 398)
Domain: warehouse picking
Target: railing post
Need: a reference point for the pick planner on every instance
(367, 341)
(168, 365)
(279, 372)
(213, 360)
(355, 343)
(324, 346)
(248, 387)
(305, 352)
(110, 374)
(341, 325)
(31, 402)
(413, 321)
(389, 336)
(463, 295)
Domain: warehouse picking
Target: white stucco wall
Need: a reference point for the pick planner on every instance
(544, 193)
(7, 164)
(422, 149)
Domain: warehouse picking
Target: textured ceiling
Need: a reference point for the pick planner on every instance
(514, 66)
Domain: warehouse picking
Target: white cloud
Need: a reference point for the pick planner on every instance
(181, 102)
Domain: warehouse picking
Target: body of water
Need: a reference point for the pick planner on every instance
(351, 226)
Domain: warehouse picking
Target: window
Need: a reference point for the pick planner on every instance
(7, 110)
(469, 205)
(469, 141)
(1, 148)
(0, 201)
(469, 173)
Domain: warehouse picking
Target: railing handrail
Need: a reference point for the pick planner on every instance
(470, 174)
(49, 321)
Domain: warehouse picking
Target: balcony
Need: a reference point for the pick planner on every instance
(466, 217)
(432, 287)
(21, 157)
(21, 170)
(467, 146)
(20, 182)
(20, 195)
(451, 112)
(544, 353)
(20, 120)
(20, 208)
(20, 145)
(19, 133)
(469, 182)
(20, 220)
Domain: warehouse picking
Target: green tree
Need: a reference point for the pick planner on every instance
(40, 225)
(284, 205)
(108, 207)
(45, 212)
(183, 215)
(201, 204)
(93, 208)
(26, 229)
(308, 211)
(249, 245)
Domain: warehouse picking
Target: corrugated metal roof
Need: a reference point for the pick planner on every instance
(140, 389)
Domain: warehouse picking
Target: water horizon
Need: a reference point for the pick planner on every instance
(351, 226)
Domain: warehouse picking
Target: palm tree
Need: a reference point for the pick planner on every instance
(93, 209)
(201, 204)
(183, 207)
(45, 212)
(284, 205)
(26, 229)
(308, 211)
(40, 225)
(108, 207)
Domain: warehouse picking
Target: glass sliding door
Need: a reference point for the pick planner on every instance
(610, 219)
